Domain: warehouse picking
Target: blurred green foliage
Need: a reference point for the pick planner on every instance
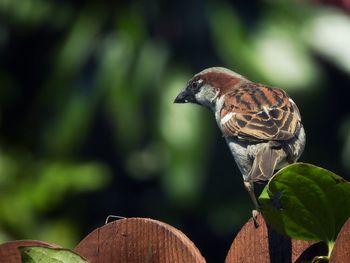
(87, 124)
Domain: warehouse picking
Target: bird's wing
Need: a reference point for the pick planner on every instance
(257, 112)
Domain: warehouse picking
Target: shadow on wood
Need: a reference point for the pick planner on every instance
(9, 252)
(317, 249)
(264, 245)
(138, 240)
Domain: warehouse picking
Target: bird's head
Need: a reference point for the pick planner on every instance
(206, 87)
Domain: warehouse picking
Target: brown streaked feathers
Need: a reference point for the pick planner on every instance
(260, 113)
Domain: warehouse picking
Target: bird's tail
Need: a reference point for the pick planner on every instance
(265, 163)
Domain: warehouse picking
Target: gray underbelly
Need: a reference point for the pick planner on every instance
(244, 153)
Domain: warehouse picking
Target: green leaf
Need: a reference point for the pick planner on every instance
(306, 202)
(37, 254)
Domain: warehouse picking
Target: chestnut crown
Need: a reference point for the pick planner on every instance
(208, 85)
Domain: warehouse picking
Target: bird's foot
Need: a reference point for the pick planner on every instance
(255, 216)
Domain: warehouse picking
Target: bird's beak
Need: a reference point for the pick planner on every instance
(184, 97)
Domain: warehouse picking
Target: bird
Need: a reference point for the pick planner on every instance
(261, 124)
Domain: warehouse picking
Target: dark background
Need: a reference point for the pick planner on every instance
(88, 127)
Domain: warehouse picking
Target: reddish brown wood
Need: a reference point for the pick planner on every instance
(9, 252)
(341, 250)
(138, 240)
(262, 244)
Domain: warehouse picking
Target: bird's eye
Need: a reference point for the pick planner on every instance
(196, 85)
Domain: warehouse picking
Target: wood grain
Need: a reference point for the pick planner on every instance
(264, 245)
(9, 252)
(341, 250)
(138, 240)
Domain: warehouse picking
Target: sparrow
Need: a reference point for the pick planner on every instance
(261, 124)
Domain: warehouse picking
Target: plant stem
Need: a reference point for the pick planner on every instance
(330, 247)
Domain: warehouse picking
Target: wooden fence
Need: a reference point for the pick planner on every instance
(148, 240)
